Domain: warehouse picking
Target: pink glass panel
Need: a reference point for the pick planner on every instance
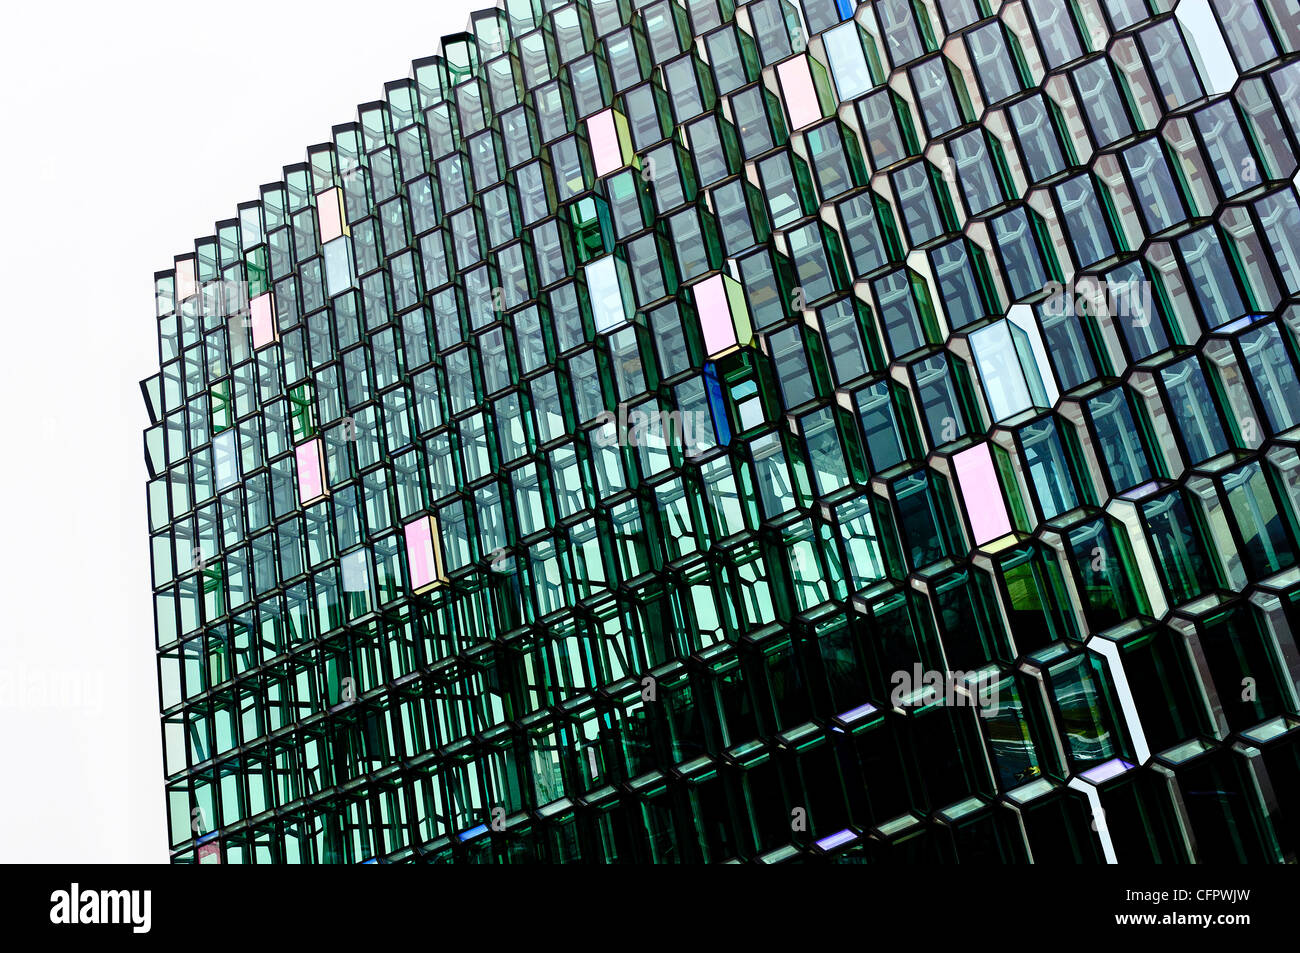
(421, 555)
(264, 331)
(331, 220)
(982, 494)
(311, 472)
(799, 92)
(186, 282)
(605, 149)
(715, 316)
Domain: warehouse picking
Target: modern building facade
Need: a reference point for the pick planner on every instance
(692, 432)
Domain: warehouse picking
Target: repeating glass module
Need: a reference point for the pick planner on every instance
(689, 430)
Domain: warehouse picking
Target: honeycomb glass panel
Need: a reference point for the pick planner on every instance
(692, 431)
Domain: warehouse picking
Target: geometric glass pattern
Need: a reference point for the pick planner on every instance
(686, 431)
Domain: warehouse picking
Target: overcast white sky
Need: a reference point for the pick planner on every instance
(130, 129)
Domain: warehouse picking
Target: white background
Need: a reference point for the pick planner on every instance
(128, 131)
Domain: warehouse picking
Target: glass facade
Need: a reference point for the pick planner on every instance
(696, 431)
